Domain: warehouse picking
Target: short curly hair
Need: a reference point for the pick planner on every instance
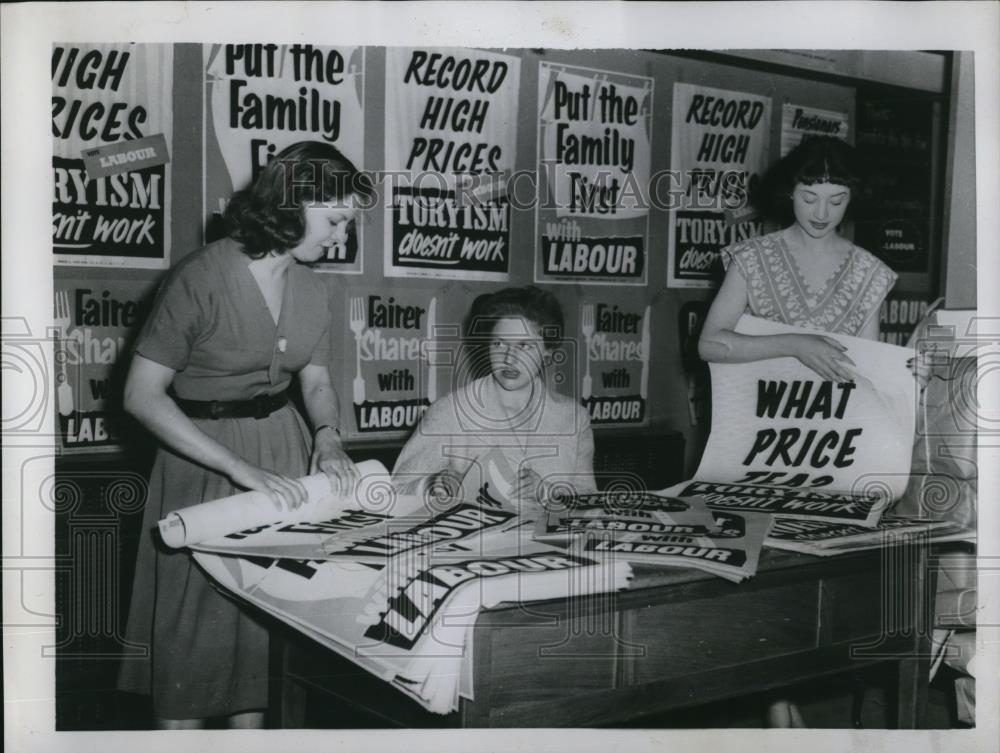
(269, 215)
(822, 159)
(538, 306)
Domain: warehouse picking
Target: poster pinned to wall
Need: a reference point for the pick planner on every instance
(450, 136)
(388, 362)
(720, 143)
(94, 323)
(799, 123)
(112, 121)
(594, 147)
(616, 359)
(690, 320)
(899, 315)
(262, 98)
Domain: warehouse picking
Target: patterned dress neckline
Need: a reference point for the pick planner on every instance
(811, 297)
(776, 290)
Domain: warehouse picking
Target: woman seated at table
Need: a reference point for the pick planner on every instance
(544, 437)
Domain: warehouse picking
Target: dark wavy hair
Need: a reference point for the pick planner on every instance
(822, 159)
(269, 215)
(538, 306)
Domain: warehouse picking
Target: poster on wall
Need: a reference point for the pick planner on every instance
(392, 379)
(594, 146)
(799, 123)
(719, 149)
(450, 136)
(93, 321)
(616, 356)
(899, 315)
(262, 98)
(690, 320)
(111, 127)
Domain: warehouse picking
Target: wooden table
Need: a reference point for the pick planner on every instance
(676, 638)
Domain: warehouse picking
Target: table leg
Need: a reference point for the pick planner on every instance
(287, 702)
(914, 670)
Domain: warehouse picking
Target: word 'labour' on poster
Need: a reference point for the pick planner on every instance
(93, 324)
(450, 136)
(111, 124)
(262, 98)
(392, 378)
(594, 146)
(718, 151)
(616, 355)
(776, 422)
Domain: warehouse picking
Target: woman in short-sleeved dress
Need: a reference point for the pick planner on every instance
(776, 289)
(233, 323)
(805, 275)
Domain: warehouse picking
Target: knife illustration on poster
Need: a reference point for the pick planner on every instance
(615, 381)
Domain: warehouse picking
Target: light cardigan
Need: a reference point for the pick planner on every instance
(552, 437)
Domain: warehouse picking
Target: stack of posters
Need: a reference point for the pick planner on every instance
(392, 582)
(803, 504)
(409, 618)
(825, 539)
(826, 460)
(651, 529)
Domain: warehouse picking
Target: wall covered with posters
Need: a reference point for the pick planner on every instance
(589, 205)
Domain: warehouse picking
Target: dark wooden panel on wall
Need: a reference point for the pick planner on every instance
(99, 502)
(899, 219)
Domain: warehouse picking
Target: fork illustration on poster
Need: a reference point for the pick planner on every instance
(91, 327)
(390, 389)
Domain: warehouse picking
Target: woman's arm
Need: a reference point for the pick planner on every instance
(871, 329)
(146, 398)
(720, 343)
(323, 407)
(585, 483)
(424, 464)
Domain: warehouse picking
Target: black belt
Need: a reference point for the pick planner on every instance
(259, 407)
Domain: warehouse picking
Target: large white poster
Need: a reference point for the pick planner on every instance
(112, 116)
(450, 136)
(261, 98)
(777, 422)
(594, 145)
(719, 148)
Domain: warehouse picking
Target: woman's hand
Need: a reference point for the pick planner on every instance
(920, 367)
(329, 457)
(529, 490)
(824, 355)
(284, 492)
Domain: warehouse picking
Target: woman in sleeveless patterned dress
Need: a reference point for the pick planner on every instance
(805, 275)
